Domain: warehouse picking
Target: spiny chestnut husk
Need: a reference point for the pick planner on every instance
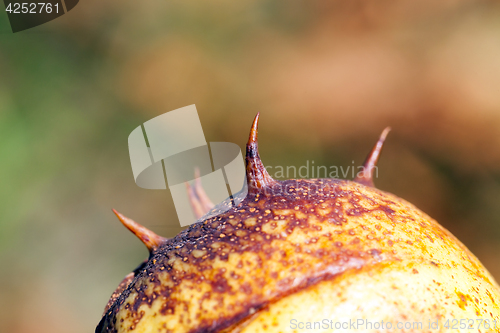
(302, 251)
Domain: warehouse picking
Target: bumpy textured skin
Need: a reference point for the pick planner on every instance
(298, 253)
(338, 247)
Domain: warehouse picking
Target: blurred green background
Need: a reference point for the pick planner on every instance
(327, 77)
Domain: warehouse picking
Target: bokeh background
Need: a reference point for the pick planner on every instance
(327, 77)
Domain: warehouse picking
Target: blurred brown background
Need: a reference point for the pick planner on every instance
(327, 77)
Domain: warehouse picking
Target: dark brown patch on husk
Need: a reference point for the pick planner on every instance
(283, 237)
(304, 197)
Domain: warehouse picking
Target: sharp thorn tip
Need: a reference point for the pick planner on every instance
(149, 238)
(257, 175)
(366, 176)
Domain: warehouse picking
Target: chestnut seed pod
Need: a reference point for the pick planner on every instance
(304, 255)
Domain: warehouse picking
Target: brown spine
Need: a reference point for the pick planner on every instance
(149, 238)
(257, 176)
(366, 176)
